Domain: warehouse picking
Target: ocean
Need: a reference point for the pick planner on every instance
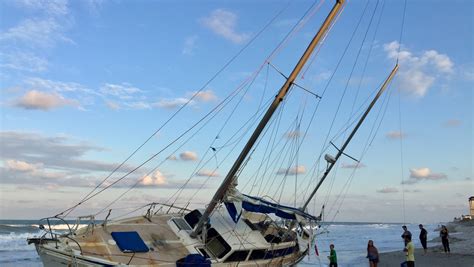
(350, 241)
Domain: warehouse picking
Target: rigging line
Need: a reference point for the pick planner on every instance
(309, 13)
(235, 145)
(225, 123)
(371, 46)
(337, 67)
(358, 89)
(401, 29)
(366, 61)
(315, 55)
(401, 149)
(364, 152)
(220, 106)
(181, 108)
(268, 151)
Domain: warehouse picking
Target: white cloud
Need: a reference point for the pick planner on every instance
(188, 156)
(52, 7)
(300, 169)
(45, 84)
(388, 190)
(157, 178)
(420, 174)
(22, 166)
(122, 91)
(224, 23)
(204, 96)
(44, 101)
(395, 135)
(171, 103)
(36, 32)
(207, 173)
(419, 72)
(138, 105)
(189, 45)
(23, 61)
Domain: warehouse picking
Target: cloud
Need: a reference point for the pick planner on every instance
(172, 157)
(42, 33)
(300, 169)
(204, 96)
(57, 86)
(395, 135)
(420, 174)
(171, 103)
(36, 148)
(356, 165)
(207, 173)
(52, 7)
(451, 123)
(419, 72)
(224, 23)
(188, 156)
(112, 105)
(189, 45)
(23, 61)
(157, 178)
(122, 91)
(44, 101)
(387, 190)
(18, 165)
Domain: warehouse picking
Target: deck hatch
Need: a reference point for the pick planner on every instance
(181, 224)
(129, 242)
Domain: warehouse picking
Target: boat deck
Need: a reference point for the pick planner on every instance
(165, 246)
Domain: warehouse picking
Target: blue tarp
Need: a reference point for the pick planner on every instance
(129, 242)
(259, 205)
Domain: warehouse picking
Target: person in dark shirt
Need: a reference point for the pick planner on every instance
(423, 238)
(444, 234)
(405, 234)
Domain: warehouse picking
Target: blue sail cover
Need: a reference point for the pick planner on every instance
(254, 204)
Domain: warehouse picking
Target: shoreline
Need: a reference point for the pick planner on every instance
(461, 243)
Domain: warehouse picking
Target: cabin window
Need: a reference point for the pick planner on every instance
(193, 217)
(215, 244)
(239, 255)
(257, 254)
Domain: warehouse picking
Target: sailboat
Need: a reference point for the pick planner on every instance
(233, 229)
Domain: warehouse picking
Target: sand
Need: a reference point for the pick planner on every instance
(461, 243)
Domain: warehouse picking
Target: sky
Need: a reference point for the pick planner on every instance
(84, 83)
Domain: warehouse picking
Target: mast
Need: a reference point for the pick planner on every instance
(220, 193)
(341, 151)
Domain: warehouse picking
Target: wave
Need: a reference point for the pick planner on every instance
(7, 229)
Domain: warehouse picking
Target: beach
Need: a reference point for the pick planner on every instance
(461, 243)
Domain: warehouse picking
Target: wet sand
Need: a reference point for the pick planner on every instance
(461, 243)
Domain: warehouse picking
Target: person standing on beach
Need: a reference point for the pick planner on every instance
(332, 257)
(410, 252)
(372, 254)
(444, 234)
(405, 234)
(423, 237)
